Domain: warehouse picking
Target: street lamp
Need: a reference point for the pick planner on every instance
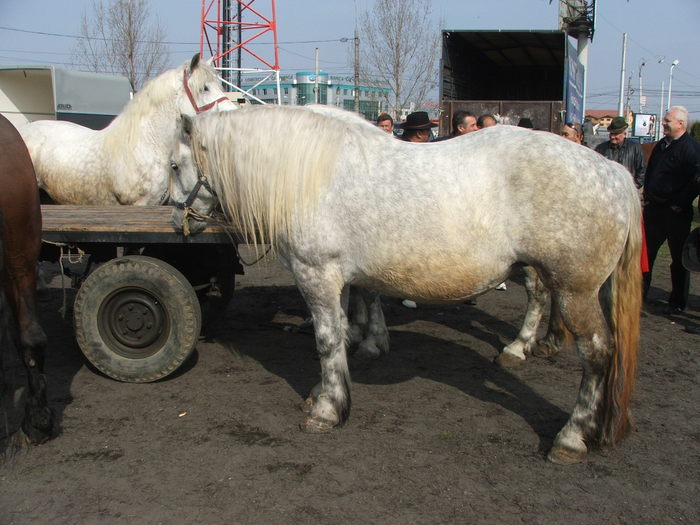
(670, 81)
(641, 98)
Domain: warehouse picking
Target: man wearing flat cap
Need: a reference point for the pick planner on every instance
(417, 127)
(625, 152)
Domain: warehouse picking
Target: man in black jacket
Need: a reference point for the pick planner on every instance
(672, 183)
(626, 152)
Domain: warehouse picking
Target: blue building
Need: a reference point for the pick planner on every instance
(305, 88)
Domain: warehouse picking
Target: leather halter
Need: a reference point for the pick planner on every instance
(201, 181)
(198, 109)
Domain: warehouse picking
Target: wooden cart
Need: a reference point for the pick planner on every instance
(143, 285)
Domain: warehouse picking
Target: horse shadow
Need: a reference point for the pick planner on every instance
(413, 354)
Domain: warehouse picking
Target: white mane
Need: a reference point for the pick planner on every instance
(269, 168)
(158, 96)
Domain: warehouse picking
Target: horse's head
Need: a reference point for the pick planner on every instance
(201, 89)
(191, 194)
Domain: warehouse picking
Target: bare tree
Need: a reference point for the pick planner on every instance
(119, 37)
(400, 47)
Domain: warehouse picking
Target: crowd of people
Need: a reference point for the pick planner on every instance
(668, 184)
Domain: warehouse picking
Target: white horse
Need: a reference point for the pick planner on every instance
(368, 331)
(345, 204)
(128, 161)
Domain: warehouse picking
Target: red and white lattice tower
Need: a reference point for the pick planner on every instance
(241, 37)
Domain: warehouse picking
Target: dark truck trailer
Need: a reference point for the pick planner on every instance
(514, 74)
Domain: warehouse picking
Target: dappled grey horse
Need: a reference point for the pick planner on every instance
(344, 204)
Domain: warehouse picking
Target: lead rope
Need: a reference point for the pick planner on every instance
(80, 254)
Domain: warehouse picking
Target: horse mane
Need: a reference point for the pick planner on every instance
(270, 164)
(158, 95)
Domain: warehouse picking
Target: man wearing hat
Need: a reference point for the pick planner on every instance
(625, 152)
(417, 127)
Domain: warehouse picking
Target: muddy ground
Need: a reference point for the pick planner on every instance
(437, 434)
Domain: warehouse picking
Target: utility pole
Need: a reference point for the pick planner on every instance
(357, 69)
(641, 98)
(661, 113)
(317, 98)
(620, 105)
(670, 82)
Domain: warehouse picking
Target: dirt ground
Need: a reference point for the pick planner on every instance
(437, 433)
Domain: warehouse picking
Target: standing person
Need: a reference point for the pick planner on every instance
(486, 121)
(417, 127)
(463, 122)
(526, 123)
(572, 131)
(386, 123)
(691, 261)
(672, 183)
(623, 151)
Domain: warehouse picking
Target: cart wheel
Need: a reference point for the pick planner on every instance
(136, 319)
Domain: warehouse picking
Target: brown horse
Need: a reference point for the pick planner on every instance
(20, 236)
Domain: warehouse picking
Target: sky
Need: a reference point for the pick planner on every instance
(44, 31)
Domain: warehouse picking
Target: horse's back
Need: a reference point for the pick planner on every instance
(477, 205)
(17, 176)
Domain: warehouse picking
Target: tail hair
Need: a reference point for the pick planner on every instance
(625, 303)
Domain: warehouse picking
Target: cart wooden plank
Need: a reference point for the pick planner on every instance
(122, 224)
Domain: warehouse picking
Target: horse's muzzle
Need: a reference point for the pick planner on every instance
(185, 223)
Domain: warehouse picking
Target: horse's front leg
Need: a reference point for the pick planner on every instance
(374, 339)
(557, 336)
(537, 298)
(330, 402)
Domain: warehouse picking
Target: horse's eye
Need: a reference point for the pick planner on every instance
(206, 88)
(173, 165)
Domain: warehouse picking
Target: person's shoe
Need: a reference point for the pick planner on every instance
(693, 329)
(672, 309)
(409, 304)
(501, 286)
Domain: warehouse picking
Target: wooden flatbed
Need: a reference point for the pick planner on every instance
(123, 225)
(138, 308)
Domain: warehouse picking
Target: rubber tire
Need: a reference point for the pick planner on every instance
(171, 305)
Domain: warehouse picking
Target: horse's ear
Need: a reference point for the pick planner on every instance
(194, 62)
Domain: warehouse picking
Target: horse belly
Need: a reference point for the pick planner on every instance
(436, 279)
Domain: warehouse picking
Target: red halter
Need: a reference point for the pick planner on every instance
(198, 109)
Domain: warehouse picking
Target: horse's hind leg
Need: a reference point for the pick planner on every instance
(369, 318)
(331, 401)
(537, 297)
(584, 317)
(37, 424)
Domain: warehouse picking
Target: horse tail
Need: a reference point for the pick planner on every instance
(624, 307)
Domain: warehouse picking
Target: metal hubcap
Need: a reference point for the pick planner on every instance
(134, 321)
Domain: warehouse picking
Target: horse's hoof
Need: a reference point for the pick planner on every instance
(317, 425)
(508, 361)
(367, 352)
(307, 405)
(566, 456)
(545, 349)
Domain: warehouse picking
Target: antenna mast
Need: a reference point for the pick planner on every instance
(229, 39)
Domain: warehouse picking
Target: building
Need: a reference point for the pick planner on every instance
(601, 117)
(307, 88)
